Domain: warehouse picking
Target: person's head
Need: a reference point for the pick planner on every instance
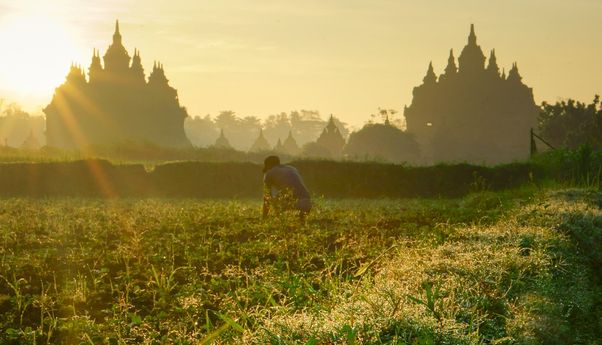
(270, 162)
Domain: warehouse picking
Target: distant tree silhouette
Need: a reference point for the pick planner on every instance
(227, 119)
(242, 132)
(293, 130)
(388, 115)
(571, 124)
(304, 125)
(308, 125)
(31, 142)
(248, 131)
(382, 142)
(277, 126)
(201, 131)
(315, 150)
(16, 125)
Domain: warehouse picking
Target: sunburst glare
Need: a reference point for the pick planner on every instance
(37, 54)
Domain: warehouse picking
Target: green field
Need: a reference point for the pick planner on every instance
(512, 267)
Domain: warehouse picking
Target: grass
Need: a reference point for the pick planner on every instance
(499, 268)
(517, 281)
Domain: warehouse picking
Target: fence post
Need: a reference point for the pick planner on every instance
(533, 147)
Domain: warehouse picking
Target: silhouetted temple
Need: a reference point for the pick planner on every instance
(332, 139)
(261, 144)
(222, 142)
(278, 147)
(471, 112)
(290, 145)
(115, 105)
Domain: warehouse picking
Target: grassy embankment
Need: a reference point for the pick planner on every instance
(511, 267)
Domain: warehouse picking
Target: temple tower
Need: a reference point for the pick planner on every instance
(290, 145)
(261, 144)
(472, 59)
(136, 70)
(116, 105)
(95, 69)
(222, 142)
(332, 139)
(472, 114)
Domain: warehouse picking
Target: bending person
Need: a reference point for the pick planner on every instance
(284, 188)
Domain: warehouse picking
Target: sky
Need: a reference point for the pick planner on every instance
(262, 57)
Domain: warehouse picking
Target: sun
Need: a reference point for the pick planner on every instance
(35, 55)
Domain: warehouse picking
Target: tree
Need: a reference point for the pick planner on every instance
(227, 119)
(382, 142)
(277, 126)
(315, 150)
(570, 123)
(388, 115)
(16, 125)
(306, 125)
(201, 131)
(241, 132)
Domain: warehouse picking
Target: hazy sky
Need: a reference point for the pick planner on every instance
(346, 57)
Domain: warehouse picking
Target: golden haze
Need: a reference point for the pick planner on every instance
(263, 57)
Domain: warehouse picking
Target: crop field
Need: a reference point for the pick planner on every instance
(511, 267)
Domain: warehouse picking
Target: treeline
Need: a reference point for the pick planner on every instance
(570, 124)
(305, 125)
(133, 152)
(565, 124)
(17, 125)
(242, 131)
(99, 178)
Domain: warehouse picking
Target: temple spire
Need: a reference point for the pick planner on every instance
(492, 67)
(472, 59)
(116, 58)
(513, 74)
(117, 34)
(222, 141)
(260, 144)
(430, 77)
(157, 76)
(332, 139)
(289, 145)
(95, 68)
(451, 68)
(76, 74)
(472, 38)
(331, 126)
(136, 68)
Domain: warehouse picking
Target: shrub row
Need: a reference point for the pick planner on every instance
(99, 178)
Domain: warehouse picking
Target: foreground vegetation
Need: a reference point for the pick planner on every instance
(513, 267)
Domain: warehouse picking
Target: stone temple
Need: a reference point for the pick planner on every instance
(115, 105)
(472, 113)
